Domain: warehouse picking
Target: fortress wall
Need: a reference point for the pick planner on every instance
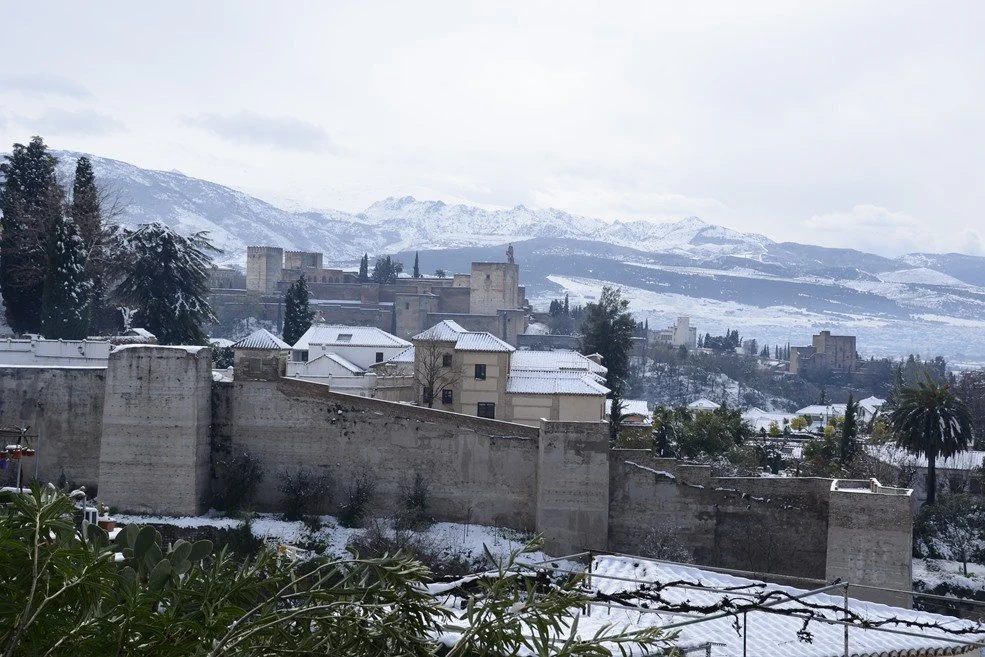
(64, 405)
(480, 471)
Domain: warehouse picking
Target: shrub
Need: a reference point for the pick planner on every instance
(303, 491)
(237, 478)
(358, 496)
(379, 540)
(416, 503)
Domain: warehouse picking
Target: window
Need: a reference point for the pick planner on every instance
(255, 366)
(486, 409)
(300, 356)
(446, 396)
(446, 360)
(480, 372)
(379, 356)
(344, 337)
(406, 305)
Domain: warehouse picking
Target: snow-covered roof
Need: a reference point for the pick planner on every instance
(554, 383)
(831, 410)
(348, 336)
(768, 634)
(405, 356)
(220, 342)
(559, 359)
(261, 339)
(476, 341)
(446, 330)
(703, 405)
(342, 362)
(630, 407)
(872, 404)
(140, 333)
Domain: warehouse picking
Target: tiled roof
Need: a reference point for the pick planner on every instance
(554, 383)
(703, 405)
(767, 634)
(474, 341)
(261, 339)
(559, 359)
(349, 336)
(819, 409)
(405, 356)
(444, 331)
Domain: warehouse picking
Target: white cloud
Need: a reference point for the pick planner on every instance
(44, 84)
(878, 230)
(273, 131)
(65, 122)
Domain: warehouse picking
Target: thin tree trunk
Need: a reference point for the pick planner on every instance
(931, 478)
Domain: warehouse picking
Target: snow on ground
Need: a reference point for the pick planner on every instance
(935, 572)
(462, 540)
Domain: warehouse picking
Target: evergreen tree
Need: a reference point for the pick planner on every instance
(30, 201)
(567, 307)
(164, 276)
(386, 270)
(608, 330)
(297, 317)
(67, 288)
(440, 273)
(364, 269)
(849, 431)
(417, 266)
(87, 213)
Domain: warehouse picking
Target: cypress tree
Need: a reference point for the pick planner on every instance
(417, 266)
(88, 215)
(67, 289)
(849, 431)
(364, 269)
(297, 316)
(30, 200)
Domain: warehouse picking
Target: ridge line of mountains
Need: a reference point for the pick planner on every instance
(776, 291)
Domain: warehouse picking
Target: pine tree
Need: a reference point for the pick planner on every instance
(65, 310)
(30, 200)
(417, 266)
(164, 276)
(297, 316)
(364, 269)
(567, 307)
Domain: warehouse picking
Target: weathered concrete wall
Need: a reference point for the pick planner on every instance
(154, 453)
(766, 525)
(572, 486)
(64, 405)
(870, 540)
(480, 471)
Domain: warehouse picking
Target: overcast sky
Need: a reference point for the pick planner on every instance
(836, 123)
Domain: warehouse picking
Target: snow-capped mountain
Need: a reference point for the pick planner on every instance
(921, 303)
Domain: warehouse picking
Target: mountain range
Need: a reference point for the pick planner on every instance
(774, 291)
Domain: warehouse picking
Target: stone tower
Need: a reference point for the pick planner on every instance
(494, 286)
(263, 268)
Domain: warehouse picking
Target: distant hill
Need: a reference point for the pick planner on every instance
(925, 303)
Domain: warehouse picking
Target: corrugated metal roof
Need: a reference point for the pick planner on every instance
(444, 331)
(261, 339)
(629, 407)
(474, 341)
(350, 336)
(554, 383)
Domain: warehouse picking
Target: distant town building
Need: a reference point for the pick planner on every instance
(680, 334)
(834, 352)
(488, 299)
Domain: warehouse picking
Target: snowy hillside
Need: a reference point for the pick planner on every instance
(776, 291)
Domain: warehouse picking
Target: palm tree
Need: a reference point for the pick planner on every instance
(930, 420)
